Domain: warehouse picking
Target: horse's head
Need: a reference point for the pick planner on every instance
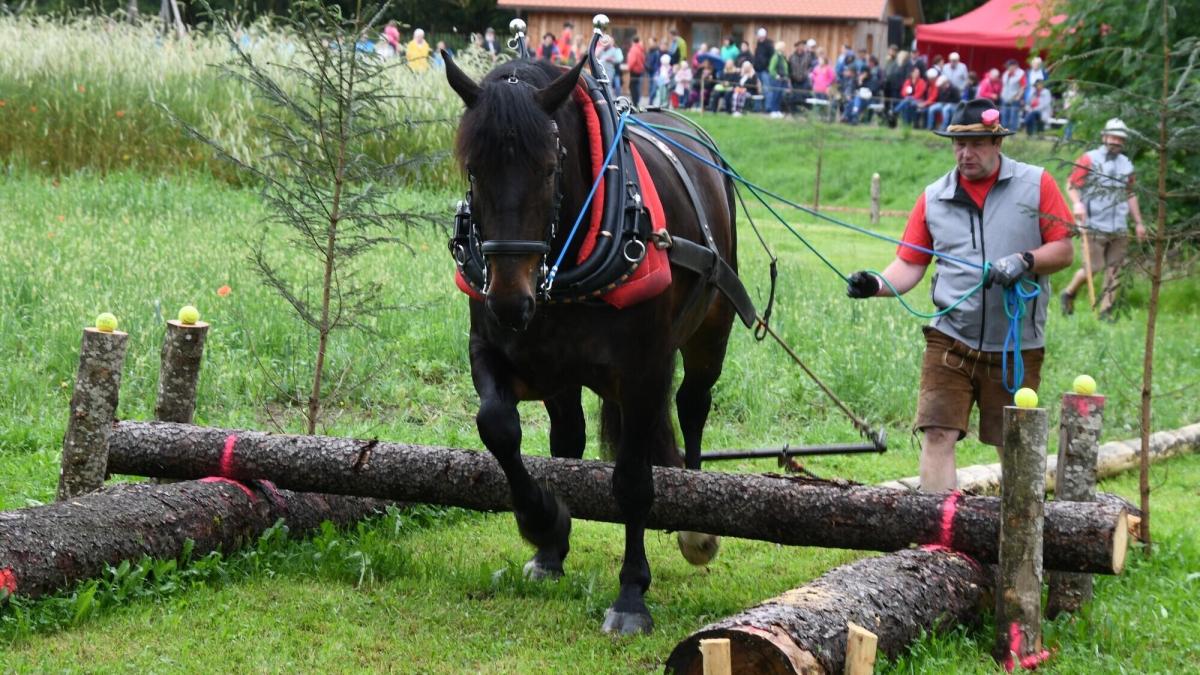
(509, 146)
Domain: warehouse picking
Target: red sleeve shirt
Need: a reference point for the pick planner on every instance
(1053, 221)
(1083, 167)
(1079, 174)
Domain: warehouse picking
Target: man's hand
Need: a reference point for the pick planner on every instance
(1080, 212)
(862, 284)
(1140, 231)
(1007, 270)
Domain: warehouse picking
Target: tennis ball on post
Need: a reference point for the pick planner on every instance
(1084, 384)
(106, 322)
(188, 315)
(1025, 398)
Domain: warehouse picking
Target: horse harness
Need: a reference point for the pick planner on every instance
(625, 230)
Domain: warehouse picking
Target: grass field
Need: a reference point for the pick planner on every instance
(419, 593)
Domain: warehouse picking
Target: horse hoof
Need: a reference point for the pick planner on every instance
(698, 548)
(535, 571)
(627, 623)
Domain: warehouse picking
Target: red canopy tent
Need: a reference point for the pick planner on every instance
(988, 36)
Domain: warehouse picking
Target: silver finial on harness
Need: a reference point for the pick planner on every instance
(516, 26)
(600, 23)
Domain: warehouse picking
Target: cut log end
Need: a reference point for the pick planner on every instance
(1121, 542)
(751, 650)
(179, 324)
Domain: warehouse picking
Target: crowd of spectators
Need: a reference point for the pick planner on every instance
(735, 77)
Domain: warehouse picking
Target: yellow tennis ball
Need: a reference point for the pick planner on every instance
(188, 315)
(106, 322)
(1025, 398)
(1084, 384)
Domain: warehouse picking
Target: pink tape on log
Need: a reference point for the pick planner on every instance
(272, 492)
(949, 508)
(227, 456)
(8, 580)
(1028, 662)
(230, 481)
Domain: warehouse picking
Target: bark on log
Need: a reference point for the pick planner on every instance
(782, 509)
(1080, 423)
(46, 548)
(896, 596)
(1022, 500)
(93, 405)
(179, 373)
(1113, 458)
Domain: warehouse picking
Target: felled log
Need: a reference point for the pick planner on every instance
(896, 596)
(788, 510)
(46, 548)
(1113, 458)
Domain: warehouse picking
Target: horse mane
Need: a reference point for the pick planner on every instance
(506, 126)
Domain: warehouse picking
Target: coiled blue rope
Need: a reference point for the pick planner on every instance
(1015, 299)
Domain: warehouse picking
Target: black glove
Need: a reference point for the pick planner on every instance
(862, 285)
(1007, 270)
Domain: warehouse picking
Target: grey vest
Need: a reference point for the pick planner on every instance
(1008, 223)
(1106, 192)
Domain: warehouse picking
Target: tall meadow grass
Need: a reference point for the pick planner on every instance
(94, 93)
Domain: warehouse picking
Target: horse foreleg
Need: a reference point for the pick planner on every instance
(542, 519)
(568, 430)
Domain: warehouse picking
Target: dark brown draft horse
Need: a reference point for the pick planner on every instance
(521, 350)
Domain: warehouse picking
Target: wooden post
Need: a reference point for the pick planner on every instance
(1022, 507)
(1075, 480)
(1087, 268)
(875, 199)
(179, 373)
(860, 645)
(817, 179)
(716, 656)
(93, 407)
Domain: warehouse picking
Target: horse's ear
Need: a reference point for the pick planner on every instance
(462, 84)
(553, 95)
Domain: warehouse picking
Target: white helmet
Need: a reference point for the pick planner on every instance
(1115, 127)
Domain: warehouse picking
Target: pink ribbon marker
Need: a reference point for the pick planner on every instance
(230, 481)
(1029, 661)
(8, 580)
(227, 456)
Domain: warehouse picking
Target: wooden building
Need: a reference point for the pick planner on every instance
(861, 23)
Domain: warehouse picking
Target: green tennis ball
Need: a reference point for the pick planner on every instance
(188, 315)
(106, 322)
(1084, 384)
(1025, 398)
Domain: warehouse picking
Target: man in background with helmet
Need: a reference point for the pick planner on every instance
(1102, 197)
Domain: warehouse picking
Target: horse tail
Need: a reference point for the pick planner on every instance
(663, 441)
(610, 429)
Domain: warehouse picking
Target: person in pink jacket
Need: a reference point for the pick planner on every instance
(822, 77)
(990, 87)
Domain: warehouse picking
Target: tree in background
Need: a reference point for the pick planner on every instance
(320, 179)
(1138, 61)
